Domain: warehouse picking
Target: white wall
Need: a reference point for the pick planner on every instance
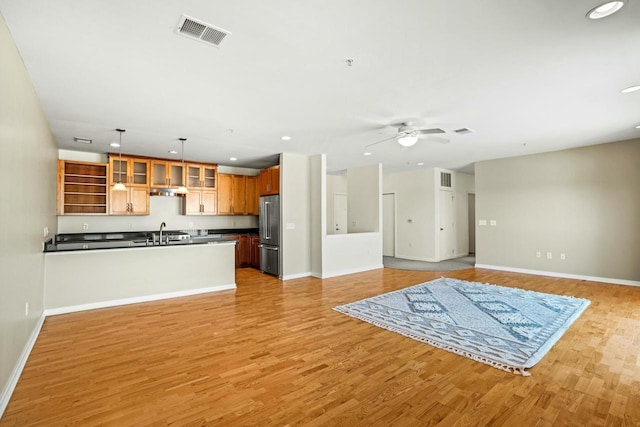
(28, 169)
(364, 201)
(295, 201)
(415, 213)
(583, 202)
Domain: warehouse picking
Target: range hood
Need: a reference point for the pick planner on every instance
(162, 191)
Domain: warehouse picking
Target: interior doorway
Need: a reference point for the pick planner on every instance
(340, 213)
(472, 223)
(389, 224)
(447, 232)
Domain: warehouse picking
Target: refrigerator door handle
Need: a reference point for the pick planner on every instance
(267, 227)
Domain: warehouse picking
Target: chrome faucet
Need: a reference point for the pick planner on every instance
(162, 225)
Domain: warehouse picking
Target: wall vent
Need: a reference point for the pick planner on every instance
(462, 131)
(198, 30)
(445, 179)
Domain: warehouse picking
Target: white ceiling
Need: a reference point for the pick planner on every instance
(526, 76)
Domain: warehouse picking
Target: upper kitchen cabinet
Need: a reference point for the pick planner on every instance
(237, 195)
(82, 188)
(269, 182)
(200, 202)
(202, 176)
(167, 174)
(132, 201)
(131, 171)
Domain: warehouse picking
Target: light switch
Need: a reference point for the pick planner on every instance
(290, 226)
(482, 222)
(493, 223)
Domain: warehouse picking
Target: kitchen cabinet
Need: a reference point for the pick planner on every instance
(243, 249)
(82, 188)
(269, 182)
(200, 202)
(255, 251)
(167, 174)
(202, 176)
(237, 195)
(132, 201)
(252, 197)
(131, 171)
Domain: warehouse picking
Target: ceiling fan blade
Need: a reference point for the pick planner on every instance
(437, 139)
(428, 131)
(382, 140)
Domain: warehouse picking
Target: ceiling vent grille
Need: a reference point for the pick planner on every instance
(463, 131)
(445, 179)
(198, 30)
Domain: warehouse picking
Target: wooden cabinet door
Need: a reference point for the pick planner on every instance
(209, 200)
(264, 182)
(159, 174)
(239, 205)
(191, 204)
(118, 202)
(225, 194)
(255, 251)
(245, 250)
(139, 172)
(275, 180)
(193, 176)
(209, 177)
(251, 195)
(119, 170)
(176, 174)
(139, 201)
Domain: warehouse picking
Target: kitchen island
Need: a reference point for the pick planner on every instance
(86, 279)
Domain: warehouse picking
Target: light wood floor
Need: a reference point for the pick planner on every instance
(276, 354)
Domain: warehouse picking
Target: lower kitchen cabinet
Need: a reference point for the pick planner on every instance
(255, 251)
(243, 250)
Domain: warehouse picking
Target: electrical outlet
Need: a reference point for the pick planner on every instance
(482, 222)
(130, 226)
(85, 226)
(46, 231)
(26, 308)
(493, 222)
(191, 225)
(538, 254)
(549, 255)
(563, 256)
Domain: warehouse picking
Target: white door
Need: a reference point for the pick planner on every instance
(388, 224)
(447, 226)
(340, 213)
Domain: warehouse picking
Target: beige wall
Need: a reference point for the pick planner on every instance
(28, 170)
(336, 184)
(364, 201)
(583, 202)
(295, 201)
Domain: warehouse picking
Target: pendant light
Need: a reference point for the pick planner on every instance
(182, 189)
(119, 186)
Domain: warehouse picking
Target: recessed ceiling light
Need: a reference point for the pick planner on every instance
(286, 138)
(82, 140)
(367, 153)
(420, 164)
(630, 89)
(604, 10)
(172, 152)
(114, 144)
(233, 159)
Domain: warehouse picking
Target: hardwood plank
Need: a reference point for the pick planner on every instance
(270, 353)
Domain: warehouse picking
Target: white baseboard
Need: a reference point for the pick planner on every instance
(347, 271)
(296, 276)
(11, 383)
(134, 300)
(562, 275)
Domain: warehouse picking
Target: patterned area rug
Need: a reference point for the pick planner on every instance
(507, 328)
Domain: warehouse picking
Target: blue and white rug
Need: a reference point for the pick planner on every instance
(507, 328)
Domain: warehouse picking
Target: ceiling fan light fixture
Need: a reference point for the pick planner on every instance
(630, 89)
(408, 140)
(605, 9)
(119, 186)
(182, 189)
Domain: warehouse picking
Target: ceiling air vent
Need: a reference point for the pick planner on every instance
(198, 30)
(445, 179)
(462, 131)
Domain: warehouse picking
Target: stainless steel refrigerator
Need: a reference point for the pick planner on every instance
(270, 234)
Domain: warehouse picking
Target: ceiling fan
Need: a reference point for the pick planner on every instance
(407, 135)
